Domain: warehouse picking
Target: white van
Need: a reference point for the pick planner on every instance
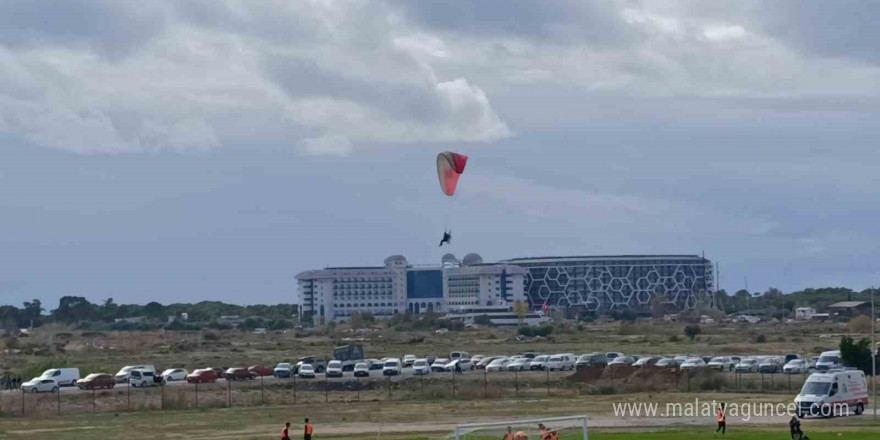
(561, 362)
(62, 376)
(392, 367)
(459, 355)
(123, 374)
(828, 360)
(831, 393)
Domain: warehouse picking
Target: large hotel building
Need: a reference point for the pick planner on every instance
(578, 285)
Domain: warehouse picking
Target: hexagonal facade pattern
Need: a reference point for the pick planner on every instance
(605, 284)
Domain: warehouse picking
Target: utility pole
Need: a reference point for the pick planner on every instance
(748, 294)
(873, 354)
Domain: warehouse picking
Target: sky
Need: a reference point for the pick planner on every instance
(189, 150)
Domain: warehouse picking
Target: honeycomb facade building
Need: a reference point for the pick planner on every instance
(602, 285)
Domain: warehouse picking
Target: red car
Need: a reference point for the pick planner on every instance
(260, 370)
(204, 375)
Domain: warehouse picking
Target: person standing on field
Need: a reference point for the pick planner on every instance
(309, 429)
(722, 421)
(509, 434)
(285, 433)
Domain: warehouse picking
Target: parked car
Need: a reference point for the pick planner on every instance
(791, 357)
(334, 369)
(143, 378)
(486, 361)
(693, 363)
(499, 364)
(475, 360)
(611, 355)
(392, 367)
(375, 364)
(770, 365)
(62, 376)
(283, 369)
(667, 363)
(646, 361)
(828, 360)
(306, 371)
(238, 374)
(796, 366)
(123, 374)
(260, 370)
(521, 364)
(439, 365)
(361, 369)
(459, 354)
(561, 362)
(318, 364)
(202, 375)
(466, 364)
(621, 360)
(591, 360)
(421, 367)
(174, 374)
(408, 360)
(722, 363)
(747, 365)
(40, 385)
(538, 363)
(96, 381)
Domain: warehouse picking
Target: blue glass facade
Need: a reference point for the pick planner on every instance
(422, 284)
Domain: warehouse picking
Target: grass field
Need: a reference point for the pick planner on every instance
(412, 420)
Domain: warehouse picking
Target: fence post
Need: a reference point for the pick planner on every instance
(229, 393)
(294, 389)
(422, 384)
(262, 392)
(22, 403)
(358, 379)
(789, 383)
(548, 379)
(59, 401)
(390, 397)
(485, 384)
(688, 374)
(772, 380)
(129, 396)
(762, 381)
(162, 386)
(327, 388)
(94, 402)
(197, 394)
(516, 383)
(453, 385)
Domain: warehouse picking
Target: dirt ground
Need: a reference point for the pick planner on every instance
(109, 351)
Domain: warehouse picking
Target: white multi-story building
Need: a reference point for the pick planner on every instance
(337, 293)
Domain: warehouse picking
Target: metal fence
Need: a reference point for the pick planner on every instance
(437, 386)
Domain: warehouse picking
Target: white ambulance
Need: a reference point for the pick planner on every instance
(833, 392)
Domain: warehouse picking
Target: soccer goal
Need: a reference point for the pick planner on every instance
(561, 428)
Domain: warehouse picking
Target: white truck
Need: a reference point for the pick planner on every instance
(833, 392)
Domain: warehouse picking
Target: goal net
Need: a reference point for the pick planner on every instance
(554, 428)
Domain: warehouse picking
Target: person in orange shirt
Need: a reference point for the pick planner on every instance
(509, 434)
(309, 429)
(285, 433)
(544, 434)
(721, 418)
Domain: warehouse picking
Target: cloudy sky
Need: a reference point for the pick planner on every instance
(211, 149)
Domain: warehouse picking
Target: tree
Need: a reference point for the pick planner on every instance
(73, 309)
(155, 310)
(856, 354)
(361, 320)
(32, 313)
(521, 309)
(691, 331)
